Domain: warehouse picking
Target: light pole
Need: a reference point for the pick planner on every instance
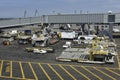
(75, 11)
(53, 12)
(80, 11)
(25, 12)
(36, 11)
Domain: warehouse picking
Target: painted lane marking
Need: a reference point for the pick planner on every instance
(44, 71)
(36, 78)
(1, 68)
(55, 72)
(80, 73)
(104, 73)
(67, 72)
(112, 71)
(21, 68)
(10, 69)
(92, 73)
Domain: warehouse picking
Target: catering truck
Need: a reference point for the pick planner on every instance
(67, 34)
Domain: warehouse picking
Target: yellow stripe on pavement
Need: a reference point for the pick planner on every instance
(104, 73)
(21, 68)
(10, 69)
(118, 61)
(92, 73)
(55, 72)
(15, 78)
(44, 71)
(119, 65)
(67, 72)
(7, 68)
(36, 78)
(1, 68)
(112, 71)
(59, 64)
(80, 72)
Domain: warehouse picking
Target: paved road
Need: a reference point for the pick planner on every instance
(15, 70)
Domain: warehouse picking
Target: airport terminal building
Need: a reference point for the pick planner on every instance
(91, 18)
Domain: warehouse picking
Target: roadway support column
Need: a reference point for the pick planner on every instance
(88, 29)
(97, 29)
(83, 27)
(111, 29)
(19, 20)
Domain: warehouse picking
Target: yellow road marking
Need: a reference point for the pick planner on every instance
(55, 72)
(112, 71)
(80, 73)
(7, 68)
(10, 69)
(1, 68)
(104, 73)
(119, 65)
(36, 78)
(21, 68)
(67, 72)
(118, 61)
(17, 78)
(44, 71)
(58, 64)
(92, 73)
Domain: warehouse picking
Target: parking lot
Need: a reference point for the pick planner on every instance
(12, 70)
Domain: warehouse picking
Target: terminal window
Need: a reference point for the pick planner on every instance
(111, 18)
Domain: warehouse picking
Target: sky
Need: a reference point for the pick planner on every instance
(30, 8)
